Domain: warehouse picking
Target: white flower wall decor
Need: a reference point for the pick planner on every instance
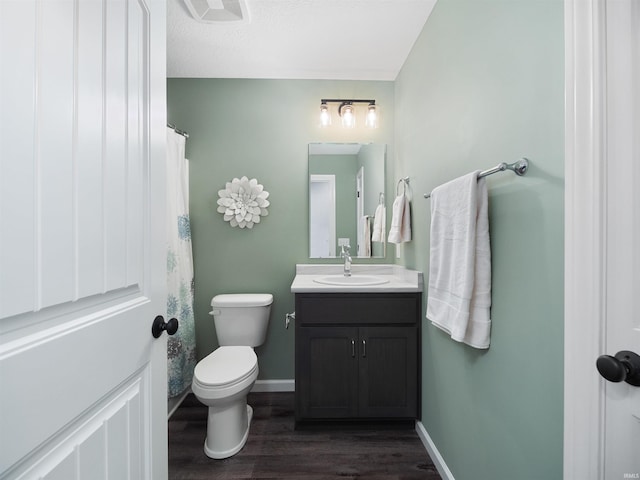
(242, 202)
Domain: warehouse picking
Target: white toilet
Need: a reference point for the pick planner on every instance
(223, 379)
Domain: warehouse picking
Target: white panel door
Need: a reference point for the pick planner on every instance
(322, 215)
(82, 131)
(602, 259)
(622, 258)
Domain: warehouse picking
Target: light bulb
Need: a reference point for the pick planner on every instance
(348, 116)
(372, 117)
(325, 115)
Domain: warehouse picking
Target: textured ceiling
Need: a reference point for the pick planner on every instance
(297, 39)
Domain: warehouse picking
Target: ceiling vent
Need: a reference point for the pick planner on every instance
(218, 11)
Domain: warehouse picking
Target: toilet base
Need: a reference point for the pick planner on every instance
(227, 430)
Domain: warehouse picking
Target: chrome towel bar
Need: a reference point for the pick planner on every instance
(519, 168)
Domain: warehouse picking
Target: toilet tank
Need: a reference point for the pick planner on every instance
(241, 319)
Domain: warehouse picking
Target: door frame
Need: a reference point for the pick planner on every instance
(585, 231)
(360, 212)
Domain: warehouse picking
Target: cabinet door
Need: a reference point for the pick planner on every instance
(388, 376)
(326, 372)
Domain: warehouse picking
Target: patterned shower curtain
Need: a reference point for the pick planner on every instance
(181, 347)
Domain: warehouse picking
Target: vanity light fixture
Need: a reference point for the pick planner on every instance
(347, 112)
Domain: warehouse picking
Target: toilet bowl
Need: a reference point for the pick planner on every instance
(223, 379)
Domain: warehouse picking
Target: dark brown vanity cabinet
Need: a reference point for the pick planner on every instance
(357, 356)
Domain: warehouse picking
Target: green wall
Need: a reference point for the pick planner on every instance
(483, 85)
(261, 129)
(345, 168)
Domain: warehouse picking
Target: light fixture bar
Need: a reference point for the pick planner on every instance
(347, 112)
(346, 100)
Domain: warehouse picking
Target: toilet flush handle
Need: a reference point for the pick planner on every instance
(159, 325)
(287, 319)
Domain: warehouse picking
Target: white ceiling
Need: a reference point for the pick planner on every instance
(297, 39)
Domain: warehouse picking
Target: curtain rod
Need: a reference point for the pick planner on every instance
(179, 132)
(519, 168)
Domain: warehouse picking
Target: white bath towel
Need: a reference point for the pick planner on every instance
(400, 230)
(459, 293)
(379, 223)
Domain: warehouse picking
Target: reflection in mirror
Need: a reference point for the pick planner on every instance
(346, 199)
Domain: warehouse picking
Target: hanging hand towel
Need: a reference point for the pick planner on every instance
(459, 293)
(379, 224)
(400, 230)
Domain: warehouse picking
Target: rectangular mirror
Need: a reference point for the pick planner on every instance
(346, 186)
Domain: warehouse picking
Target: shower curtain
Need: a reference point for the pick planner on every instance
(181, 347)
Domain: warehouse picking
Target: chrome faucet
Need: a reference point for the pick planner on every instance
(347, 260)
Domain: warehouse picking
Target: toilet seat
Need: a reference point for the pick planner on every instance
(225, 367)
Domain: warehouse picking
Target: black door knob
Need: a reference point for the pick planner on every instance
(625, 366)
(159, 325)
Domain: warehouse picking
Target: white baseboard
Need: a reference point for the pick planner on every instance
(437, 459)
(174, 403)
(274, 386)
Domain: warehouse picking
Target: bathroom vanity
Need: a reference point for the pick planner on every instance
(357, 345)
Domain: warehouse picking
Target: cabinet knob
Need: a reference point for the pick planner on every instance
(353, 348)
(364, 348)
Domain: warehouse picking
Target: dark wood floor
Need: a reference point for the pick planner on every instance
(276, 450)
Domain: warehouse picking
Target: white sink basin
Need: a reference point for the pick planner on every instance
(354, 280)
(371, 278)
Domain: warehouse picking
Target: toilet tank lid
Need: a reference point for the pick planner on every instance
(242, 300)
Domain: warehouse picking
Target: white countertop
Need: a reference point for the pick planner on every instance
(400, 279)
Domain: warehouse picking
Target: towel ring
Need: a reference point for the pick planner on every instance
(404, 181)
